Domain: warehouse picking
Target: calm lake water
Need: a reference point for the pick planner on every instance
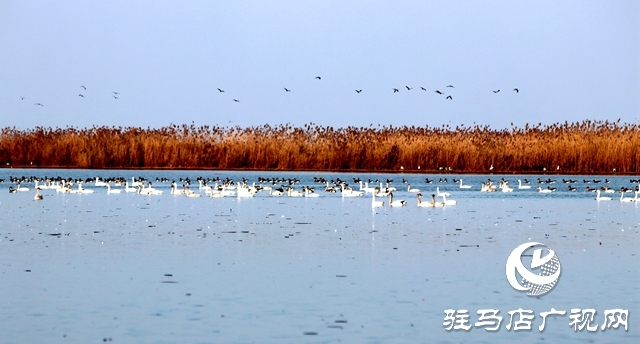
(128, 268)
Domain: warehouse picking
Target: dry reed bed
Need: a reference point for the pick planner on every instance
(586, 147)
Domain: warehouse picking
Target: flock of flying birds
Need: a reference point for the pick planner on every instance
(395, 90)
(115, 94)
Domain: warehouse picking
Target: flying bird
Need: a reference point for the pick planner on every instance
(80, 95)
(220, 90)
(83, 87)
(236, 100)
(422, 88)
(409, 88)
(358, 91)
(286, 89)
(496, 91)
(395, 90)
(38, 104)
(517, 90)
(21, 98)
(438, 92)
(449, 97)
(114, 97)
(114, 92)
(319, 78)
(450, 86)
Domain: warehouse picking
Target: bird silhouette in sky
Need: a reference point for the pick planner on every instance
(114, 92)
(358, 91)
(80, 95)
(286, 89)
(450, 86)
(517, 90)
(220, 90)
(438, 92)
(395, 90)
(38, 104)
(21, 98)
(83, 87)
(114, 97)
(450, 97)
(409, 88)
(422, 88)
(318, 78)
(496, 91)
(236, 100)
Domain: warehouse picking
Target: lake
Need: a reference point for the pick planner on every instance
(129, 268)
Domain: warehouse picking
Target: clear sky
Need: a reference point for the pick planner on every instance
(570, 60)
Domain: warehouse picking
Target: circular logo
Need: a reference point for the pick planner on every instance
(536, 283)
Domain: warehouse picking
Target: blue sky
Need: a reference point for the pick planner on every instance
(571, 61)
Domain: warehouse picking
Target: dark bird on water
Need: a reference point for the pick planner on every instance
(395, 90)
(236, 100)
(220, 90)
(496, 91)
(80, 95)
(286, 89)
(358, 91)
(319, 78)
(449, 97)
(517, 90)
(438, 92)
(409, 88)
(450, 86)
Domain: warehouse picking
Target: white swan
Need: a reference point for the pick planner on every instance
(82, 190)
(22, 188)
(215, 194)
(628, 199)
(374, 203)
(308, 192)
(277, 192)
(348, 192)
(541, 190)
(38, 196)
(520, 186)
(598, 198)
(134, 183)
(293, 193)
(396, 203)
(99, 183)
(366, 187)
(192, 194)
(449, 201)
(431, 204)
(440, 194)
(409, 189)
(464, 186)
(128, 188)
(114, 191)
(175, 191)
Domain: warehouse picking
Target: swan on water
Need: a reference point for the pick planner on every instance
(464, 186)
(396, 203)
(598, 198)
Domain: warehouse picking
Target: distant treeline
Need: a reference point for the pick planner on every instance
(586, 147)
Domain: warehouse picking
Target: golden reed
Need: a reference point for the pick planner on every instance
(590, 147)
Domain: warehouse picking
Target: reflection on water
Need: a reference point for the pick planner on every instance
(164, 268)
